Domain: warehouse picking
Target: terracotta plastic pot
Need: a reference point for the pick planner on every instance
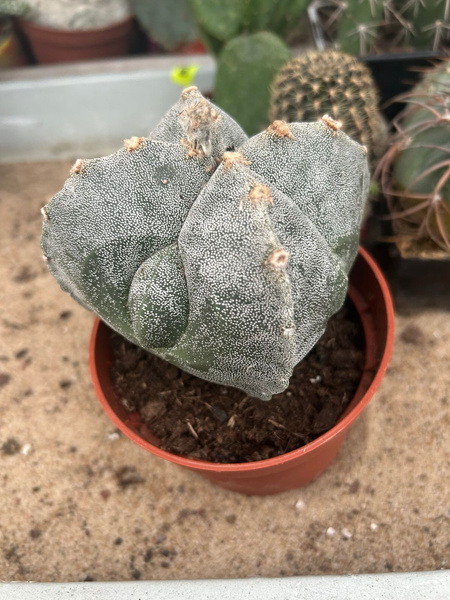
(63, 45)
(370, 295)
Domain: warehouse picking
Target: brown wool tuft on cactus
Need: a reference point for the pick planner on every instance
(278, 259)
(260, 194)
(331, 123)
(280, 129)
(134, 143)
(165, 250)
(77, 167)
(197, 121)
(230, 159)
(189, 90)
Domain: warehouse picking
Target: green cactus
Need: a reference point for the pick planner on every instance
(220, 21)
(359, 24)
(246, 68)
(430, 20)
(415, 172)
(333, 83)
(372, 26)
(168, 22)
(226, 263)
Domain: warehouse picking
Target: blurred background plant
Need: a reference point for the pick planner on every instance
(219, 21)
(415, 171)
(382, 26)
(248, 38)
(169, 23)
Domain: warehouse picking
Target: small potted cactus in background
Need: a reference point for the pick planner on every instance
(226, 257)
(334, 83)
(395, 38)
(66, 31)
(415, 171)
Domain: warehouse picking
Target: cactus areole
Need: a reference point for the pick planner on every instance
(224, 255)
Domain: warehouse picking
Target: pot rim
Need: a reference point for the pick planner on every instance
(342, 424)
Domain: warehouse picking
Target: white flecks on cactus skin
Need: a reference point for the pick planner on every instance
(224, 255)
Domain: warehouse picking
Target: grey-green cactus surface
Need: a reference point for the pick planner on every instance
(224, 255)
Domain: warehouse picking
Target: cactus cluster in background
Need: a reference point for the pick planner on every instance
(377, 26)
(219, 21)
(167, 22)
(247, 36)
(415, 171)
(224, 255)
(333, 83)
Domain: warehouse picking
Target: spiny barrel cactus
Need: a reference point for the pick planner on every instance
(359, 24)
(333, 83)
(415, 171)
(224, 255)
(374, 26)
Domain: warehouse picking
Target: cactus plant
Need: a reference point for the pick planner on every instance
(415, 172)
(168, 22)
(333, 83)
(219, 21)
(358, 25)
(243, 90)
(224, 255)
(365, 27)
(430, 22)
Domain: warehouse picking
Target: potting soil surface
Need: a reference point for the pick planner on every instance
(79, 501)
(199, 419)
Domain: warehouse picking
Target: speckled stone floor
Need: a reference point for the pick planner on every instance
(80, 502)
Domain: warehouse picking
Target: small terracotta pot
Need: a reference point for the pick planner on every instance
(370, 295)
(65, 45)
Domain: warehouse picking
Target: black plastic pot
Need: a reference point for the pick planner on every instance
(396, 74)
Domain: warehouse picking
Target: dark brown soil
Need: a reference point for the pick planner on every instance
(199, 419)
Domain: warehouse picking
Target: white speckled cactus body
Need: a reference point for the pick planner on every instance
(224, 255)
